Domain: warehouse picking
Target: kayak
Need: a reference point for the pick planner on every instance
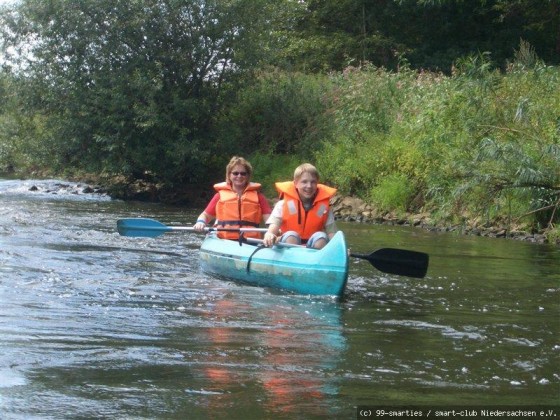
(291, 268)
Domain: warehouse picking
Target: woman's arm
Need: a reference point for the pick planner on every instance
(207, 215)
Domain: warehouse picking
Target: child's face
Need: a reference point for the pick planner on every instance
(306, 186)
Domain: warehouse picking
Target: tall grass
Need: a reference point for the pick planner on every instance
(477, 143)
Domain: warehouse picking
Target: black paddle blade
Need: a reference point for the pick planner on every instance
(398, 261)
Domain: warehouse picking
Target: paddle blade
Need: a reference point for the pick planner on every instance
(398, 261)
(146, 228)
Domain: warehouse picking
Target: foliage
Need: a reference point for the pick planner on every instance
(171, 89)
(431, 34)
(270, 168)
(394, 192)
(370, 104)
(21, 133)
(277, 113)
(132, 86)
(553, 235)
(479, 143)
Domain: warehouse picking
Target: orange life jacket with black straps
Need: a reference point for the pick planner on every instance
(294, 215)
(233, 211)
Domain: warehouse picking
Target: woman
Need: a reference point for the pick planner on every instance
(303, 214)
(238, 202)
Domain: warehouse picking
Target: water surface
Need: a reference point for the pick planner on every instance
(93, 324)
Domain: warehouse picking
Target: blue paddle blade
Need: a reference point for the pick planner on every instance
(145, 228)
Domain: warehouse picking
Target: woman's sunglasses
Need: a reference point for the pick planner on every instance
(239, 173)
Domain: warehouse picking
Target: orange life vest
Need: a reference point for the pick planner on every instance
(294, 215)
(233, 211)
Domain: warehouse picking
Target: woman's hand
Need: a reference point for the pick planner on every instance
(199, 226)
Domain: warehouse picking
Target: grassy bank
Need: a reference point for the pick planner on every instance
(477, 148)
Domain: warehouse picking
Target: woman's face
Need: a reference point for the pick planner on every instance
(239, 176)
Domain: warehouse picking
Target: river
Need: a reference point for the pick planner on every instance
(97, 325)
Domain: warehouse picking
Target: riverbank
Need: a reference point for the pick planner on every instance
(349, 209)
(353, 209)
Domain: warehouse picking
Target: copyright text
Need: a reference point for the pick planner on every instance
(504, 412)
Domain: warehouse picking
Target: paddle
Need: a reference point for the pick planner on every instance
(398, 261)
(150, 228)
(387, 260)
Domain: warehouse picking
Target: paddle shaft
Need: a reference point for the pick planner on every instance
(141, 227)
(206, 229)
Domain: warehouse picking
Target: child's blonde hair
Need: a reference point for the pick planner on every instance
(305, 168)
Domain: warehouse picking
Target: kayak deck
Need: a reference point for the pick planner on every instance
(293, 268)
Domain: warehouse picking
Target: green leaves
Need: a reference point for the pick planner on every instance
(478, 142)
(133, 86)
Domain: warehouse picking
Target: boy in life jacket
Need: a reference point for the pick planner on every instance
(238, 202)
(303, 214)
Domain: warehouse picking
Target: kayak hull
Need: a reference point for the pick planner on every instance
(292, 268)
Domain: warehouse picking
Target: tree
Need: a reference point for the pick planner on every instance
(133, 86)
(430, 34)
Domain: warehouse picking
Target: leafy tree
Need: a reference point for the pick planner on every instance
(133, 86)
(495, 26)
(430, 34)
(277, 113)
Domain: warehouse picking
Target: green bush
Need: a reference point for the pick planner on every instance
(480, 142)
(394, 193)
(270, 168)
(277, 112)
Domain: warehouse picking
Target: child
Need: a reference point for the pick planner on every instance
(303, 214)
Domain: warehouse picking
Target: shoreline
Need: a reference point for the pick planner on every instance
(351, 209)
(347, 209)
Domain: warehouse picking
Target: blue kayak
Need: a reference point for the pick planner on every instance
(288, 267)
(292, 268)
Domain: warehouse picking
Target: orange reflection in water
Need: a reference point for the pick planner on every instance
(221, 339)
(293, 367)
(292, 347)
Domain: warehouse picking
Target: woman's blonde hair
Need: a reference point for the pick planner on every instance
(305, 168)
(237, 160)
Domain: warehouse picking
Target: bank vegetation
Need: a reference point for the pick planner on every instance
(164, 93)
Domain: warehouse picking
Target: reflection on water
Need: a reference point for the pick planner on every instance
(288, 346)
(93, 324)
